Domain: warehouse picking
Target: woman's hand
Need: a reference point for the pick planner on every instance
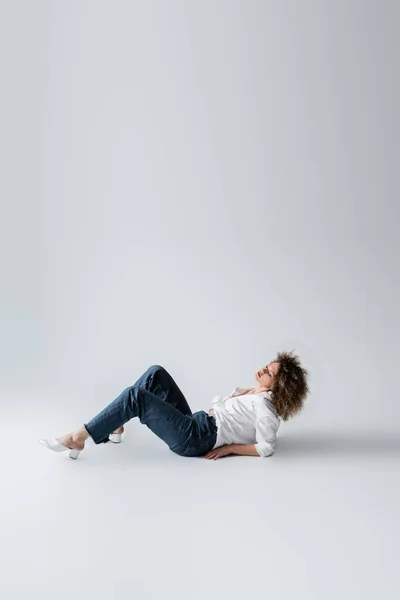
(218, 452)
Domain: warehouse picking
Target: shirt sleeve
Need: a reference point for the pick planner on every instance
(265, 436)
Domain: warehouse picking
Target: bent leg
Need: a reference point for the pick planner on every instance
(164, 419)
(158, 381)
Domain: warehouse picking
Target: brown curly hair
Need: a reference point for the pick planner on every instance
(290, 388)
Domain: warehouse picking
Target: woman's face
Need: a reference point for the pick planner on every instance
(266, 375)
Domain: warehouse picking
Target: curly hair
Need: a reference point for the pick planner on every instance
(290, 388)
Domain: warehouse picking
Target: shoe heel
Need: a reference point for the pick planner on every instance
(116, 438)
(74, 453)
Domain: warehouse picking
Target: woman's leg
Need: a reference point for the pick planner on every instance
(161, 383)
(158, 381)
(166, 412)
(158, 402)
(166, 421)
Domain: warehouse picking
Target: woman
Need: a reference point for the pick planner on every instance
(245, 421)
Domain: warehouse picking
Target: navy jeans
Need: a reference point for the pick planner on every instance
(159, 403)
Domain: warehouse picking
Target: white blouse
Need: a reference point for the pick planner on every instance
(246, 419)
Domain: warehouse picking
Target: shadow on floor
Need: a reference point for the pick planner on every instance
(356, 444)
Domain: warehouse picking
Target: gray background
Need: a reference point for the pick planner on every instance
(198, 185)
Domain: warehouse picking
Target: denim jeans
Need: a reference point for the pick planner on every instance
(159, 403)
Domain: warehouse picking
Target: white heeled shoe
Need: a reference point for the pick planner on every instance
(115, 437)
(57, 447)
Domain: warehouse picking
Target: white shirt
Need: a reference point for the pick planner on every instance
(246, 419)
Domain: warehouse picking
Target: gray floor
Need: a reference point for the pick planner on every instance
(318, 520)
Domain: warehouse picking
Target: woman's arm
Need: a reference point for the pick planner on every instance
(246, 449)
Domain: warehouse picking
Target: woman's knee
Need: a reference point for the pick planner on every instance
(160, 371)
(154, 368)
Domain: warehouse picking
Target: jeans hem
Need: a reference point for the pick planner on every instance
(103, 441)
